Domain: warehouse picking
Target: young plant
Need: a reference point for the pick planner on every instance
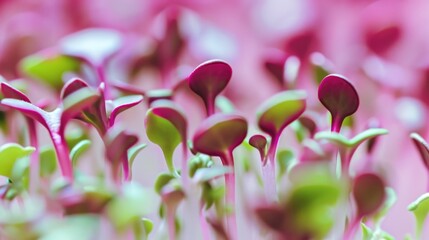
(347, 147)
(55, 121)
(218, 136)
(166, 119)
(208, 80)
(274, 115)
(339, 97)
(369, 195)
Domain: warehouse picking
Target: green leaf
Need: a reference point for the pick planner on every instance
(312, 199)
(48, 161)
(285, 161)
(133, 152)
(77, 151)
(162, 180)
(280, 110)
(82, 227)
(197, 162)
(148, 225)
(367, 233)
(9, 154)
(49, 69)
(420, 208)
(163, 133)
(339, 139)
(133, 203)
(207, 174)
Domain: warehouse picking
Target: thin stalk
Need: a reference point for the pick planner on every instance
(99, 68)
(210, 105)
(62, 151)
(185, 171)
(351, 229)
(126, 168)
(269, 170)
(34, 158)
(171, 224)
(231, 221)
(336, 124)
(204, 225)
(168, 155)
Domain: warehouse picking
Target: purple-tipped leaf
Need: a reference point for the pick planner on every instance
(208, 80)
(27, 109)
(117, 144)
(10, 92)
(422, 147)
(278, 112)
(339, 97)
(168, 110)
(260, 143)
(369, 193)
(76, 102)
(219, 135)
(72, 86)
(122, 104)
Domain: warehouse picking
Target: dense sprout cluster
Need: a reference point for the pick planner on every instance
(179, 131)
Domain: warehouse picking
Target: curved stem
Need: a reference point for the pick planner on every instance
(126, 169)
(350, 231)
(168, 155)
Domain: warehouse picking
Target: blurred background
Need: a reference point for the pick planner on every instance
(381, 46)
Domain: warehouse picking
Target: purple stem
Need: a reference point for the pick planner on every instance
(126, 169)
(269, 170)
(171, 223)
(99, 68)
(336, 124)
(204, 225)
(185, 171)
(351, 229)
(231, 221)
(34, 158)
(210, 106)
(62, 151)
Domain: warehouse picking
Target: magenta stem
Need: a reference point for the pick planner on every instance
(126, 169)
(171, 223)
(210, 105)
(336, 124)
(351, 229)
(269, 170)
(204, 225)
(231, 221)
(62, 151)
(99, 68)
(34, 158)
(185, 171)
